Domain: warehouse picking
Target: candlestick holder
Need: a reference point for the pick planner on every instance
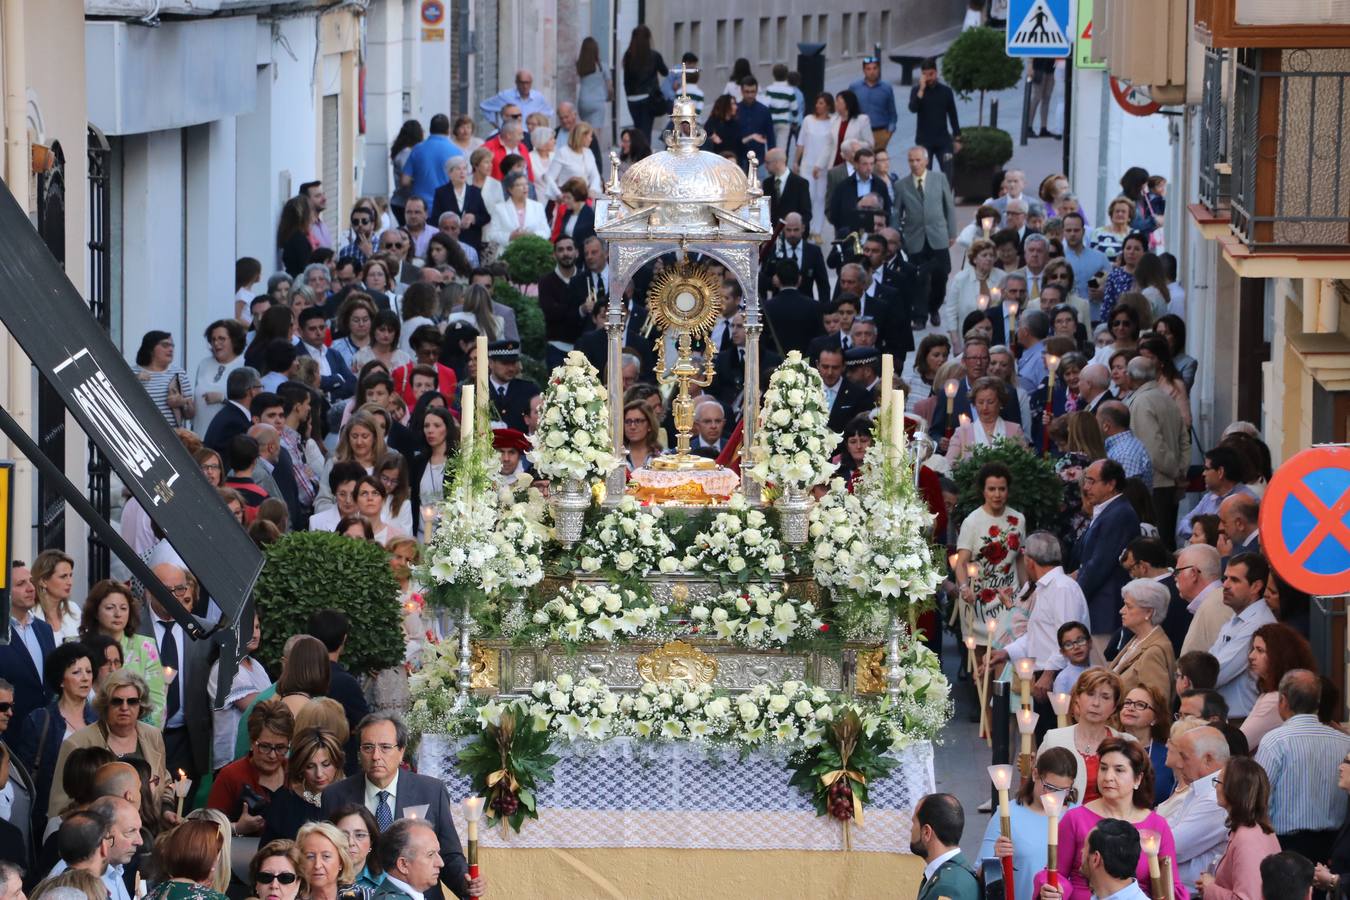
(1059, 702)
(473, 810)
(1001, 776)
(464, 672)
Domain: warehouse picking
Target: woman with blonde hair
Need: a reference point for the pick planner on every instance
(54, 578)
(1085, 436)
(1093, 705)
(316, 761)
(362, 441)
(326, 863)
(480, 176)
(476, 311)
(58, 887)
(574, 159)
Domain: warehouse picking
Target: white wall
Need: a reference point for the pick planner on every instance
(152, 248)
(387, 58)
(210, 248)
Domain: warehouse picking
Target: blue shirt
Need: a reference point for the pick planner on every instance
(1031, 370)
(426, 165)
(536, 102)
(877, 101)
(1085, 265)
(1126, 449)
(28, 635)
(1208, 506)
(754, 118)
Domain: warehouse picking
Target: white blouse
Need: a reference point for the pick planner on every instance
(568, 163)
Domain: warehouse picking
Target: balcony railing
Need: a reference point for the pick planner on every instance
(1214, 172)
(1291, 112)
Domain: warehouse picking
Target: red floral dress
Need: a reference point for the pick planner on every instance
(994, 543)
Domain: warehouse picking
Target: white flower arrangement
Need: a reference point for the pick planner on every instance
(794, 443)
(486, 544)
(756, 616)
(628, 540)
(575, 710)
(898, 563)
(836, 535)
(582, 612)
(792, 714)
(738, 542)
(676, 710)
(573, 439)
(925, 704)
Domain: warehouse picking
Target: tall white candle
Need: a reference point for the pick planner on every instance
(887, 380)
(466, 418)
(897, 421)
(481, 374)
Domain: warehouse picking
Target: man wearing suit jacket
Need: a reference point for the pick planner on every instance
(392, 794)
(838, 173)
(187, 709)
(22, 659)
(464, 202)
(935, 835)
(787, 191)
(1097, 554)
(843, 209)
(810, 261)
(927, 226)
(844, 398)
(976, 360)
(793, 318)
(710, 423)
(241, 386)
(510, 394)
(336, 378)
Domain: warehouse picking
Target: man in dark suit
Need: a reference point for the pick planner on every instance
(410, 860)
(391, 794)
(594, 342)
(976, 360)
(842, 211)
(793, 319)
(710, 421)
(187, 709)
(843, 311)
(241, 386)
(934, 104)
(16, 837)
(22, 659)
(332, 626)
(879, 302)
(845, 398)
(1238, 521)
(787, 191)
(810, 260)
(510, 394)
(340, 381)
(565, 302)
(1096, 555)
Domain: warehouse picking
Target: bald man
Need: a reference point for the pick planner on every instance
(787, 191)
(793, 244)
(186, 716)
(1238, 522)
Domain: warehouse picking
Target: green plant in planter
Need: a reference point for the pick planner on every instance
(984, 147)
(976, 63)
(312, 570)
(1036, 491)
(529, 317)
(528, 258)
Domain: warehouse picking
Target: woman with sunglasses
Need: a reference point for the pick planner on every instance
(1143, 716)
(1123, 327)
(1054, 772)
(274, 872)
(120, 703)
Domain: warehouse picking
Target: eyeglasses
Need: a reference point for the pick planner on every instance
(118, 702)
(635, 421)
(210, 467)
(1121, 323)
(1135, 704)
(360, 221)
(369, 749)
(279, 877)
(6, 707)
(178, 590)
(869, 60)
(512, 118)
(273, 749)
(1073, 644)
(395, 245)
(358, 835)
(1181, 569)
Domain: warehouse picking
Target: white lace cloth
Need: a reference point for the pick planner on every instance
(626, 794)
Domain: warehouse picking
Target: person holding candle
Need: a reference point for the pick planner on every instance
(1143, 716)
(1125, 792)
(1094, 701)
(988, 396)
(1244, 793)
(935, 835)
(1108, 861)
(1054, 771)
(989, 563)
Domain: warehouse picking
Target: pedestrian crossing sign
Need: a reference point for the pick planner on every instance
(1039, 28)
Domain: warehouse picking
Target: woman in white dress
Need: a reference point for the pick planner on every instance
(965, 289)
(574, 159)
(541, 162)
(815, 154)
(517, 214)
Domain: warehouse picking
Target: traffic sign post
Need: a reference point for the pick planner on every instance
(1305, 521)
(1082, 43)
(1039, 28)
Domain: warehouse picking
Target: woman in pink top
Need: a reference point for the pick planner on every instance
(1125, 781)
(1276, 649)
(1243, 790)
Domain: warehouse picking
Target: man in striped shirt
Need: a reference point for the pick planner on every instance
(782, 102)
(1301, 757)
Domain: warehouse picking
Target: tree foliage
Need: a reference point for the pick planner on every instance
(976, 63)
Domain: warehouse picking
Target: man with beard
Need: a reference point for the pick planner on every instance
(935, 835)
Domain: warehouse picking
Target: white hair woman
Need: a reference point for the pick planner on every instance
(1148, 659)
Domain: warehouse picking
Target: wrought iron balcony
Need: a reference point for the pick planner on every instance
(1214, 136)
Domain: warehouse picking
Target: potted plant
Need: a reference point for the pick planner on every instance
(976, 63)
(1036, 491)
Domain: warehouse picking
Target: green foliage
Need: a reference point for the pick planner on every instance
(1036, 490)
(982, 146)
(312, 570)
(508, 763)
(528, 258)
(529, 317)
(838, 770)
(976, 62)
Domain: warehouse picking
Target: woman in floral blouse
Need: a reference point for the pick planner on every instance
(989, 564)
(111, 609)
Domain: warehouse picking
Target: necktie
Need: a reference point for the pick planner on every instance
(918, 182)
(501, 392)
(844, 341)
(384, 813)
(168, 657)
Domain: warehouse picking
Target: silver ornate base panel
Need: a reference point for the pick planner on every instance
(622, 793)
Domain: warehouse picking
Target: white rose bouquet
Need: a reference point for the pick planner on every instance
(899, 564)
(837, 536)
(573, 439)
(792, 714)
(628, 540)
(794, 443)
(485, 545)
(925, 704)
(575, 710)
(756, 616)
(582, 612)
(738, 543)
(677, 710)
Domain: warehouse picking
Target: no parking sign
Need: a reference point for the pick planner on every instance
(1305, 521)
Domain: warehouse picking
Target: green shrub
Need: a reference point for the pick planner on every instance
(312, 570)
(976, 62)
(528, 258)
(529, 317)
(983, 146)
(1036, 491)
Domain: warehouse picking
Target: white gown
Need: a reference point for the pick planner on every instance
(817, 139)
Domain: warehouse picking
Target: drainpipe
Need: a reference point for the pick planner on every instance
(18, 395)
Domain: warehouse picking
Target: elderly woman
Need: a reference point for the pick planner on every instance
(326, 864)
(464, 199)
(187, 858)
(964, 292)
(541, 162)
(1148, 658)
(316, 761)
(120, 703)
(261, 772)
(1092, 705)
(1124, 791)
(111, 609)
(517, 214)
(67, 673)
(274, 872)
(986, 399)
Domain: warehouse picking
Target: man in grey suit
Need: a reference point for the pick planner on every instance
(838, 173)
(391, 794)
(927, 215)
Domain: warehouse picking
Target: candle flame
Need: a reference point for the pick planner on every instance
(1026, 721)
(972, 570)
(950, 388)
(1059, 702)
(1025, 667)
(1149, 841)
(1001, 776)
(991, 625)
(970, 642)
(983, 302)
(1052, 803)
(1012, 308)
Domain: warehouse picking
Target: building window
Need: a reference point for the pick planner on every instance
(722, 51)
(823, 28)
(806, 30)
(765, 41)
(738, 39)
(696, 39)
(845, 34)
(680, 45)
(864, 39)
(784, 50)
(885, 29)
